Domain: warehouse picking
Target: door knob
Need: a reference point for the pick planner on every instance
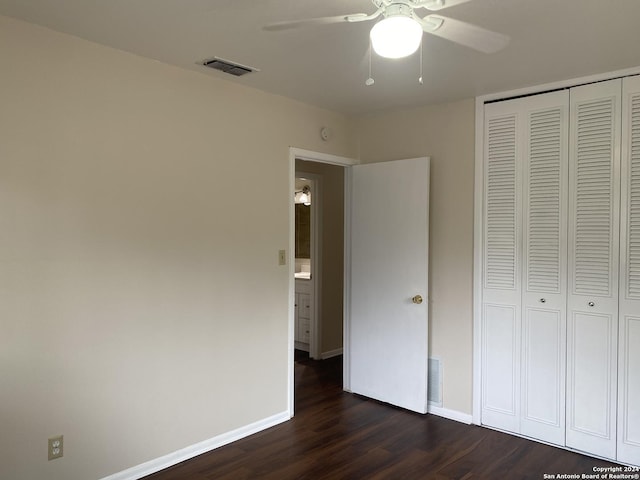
(417, 299)
(591, 304)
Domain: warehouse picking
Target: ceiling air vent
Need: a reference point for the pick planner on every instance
(228, 67)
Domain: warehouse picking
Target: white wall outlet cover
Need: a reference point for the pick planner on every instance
(325, 133)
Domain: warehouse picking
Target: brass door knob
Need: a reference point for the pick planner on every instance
(417, 299)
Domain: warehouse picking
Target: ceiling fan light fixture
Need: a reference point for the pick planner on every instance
(396, 36)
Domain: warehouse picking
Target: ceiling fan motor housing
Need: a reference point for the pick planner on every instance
(397, 9)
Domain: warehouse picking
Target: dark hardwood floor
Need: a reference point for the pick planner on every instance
(337, 435)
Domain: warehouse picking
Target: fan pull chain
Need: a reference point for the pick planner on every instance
(369, 81)
(420, 81)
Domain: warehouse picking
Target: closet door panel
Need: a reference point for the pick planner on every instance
(500, 361)
(543, 375)
(591, 383)
(629, 394)
(502, 270)
(592, 304)
(629, 338)
(545, 166)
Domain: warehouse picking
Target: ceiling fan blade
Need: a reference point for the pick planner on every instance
(275, 27)
(435, 5)
(465, 34)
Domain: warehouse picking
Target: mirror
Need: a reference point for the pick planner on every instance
(303, 231)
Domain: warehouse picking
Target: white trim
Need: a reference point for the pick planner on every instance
(292, 288)
(332, 353)
(346, 305)
(572, 82)
(477, 262)
(310, 156)
(192, 451)
(316, 267)
(450, 414)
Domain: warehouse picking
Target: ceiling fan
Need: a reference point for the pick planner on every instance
(399, 32)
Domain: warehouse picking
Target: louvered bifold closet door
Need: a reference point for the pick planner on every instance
(592, 306)
(629, 315)
(524, 276)
(545, 272)
(502, 269)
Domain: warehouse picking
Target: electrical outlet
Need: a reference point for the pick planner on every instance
(282, 257)
(55, 447)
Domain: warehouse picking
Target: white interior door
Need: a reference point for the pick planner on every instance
(388, 330)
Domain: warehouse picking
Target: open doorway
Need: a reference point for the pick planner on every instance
(325, 175)
(319, 258)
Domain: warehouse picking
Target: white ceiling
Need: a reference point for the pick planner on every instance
(326, 65)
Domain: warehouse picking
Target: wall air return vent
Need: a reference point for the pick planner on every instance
(434, 388)
(228, 67)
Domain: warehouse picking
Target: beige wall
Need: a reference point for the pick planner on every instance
(126, 268)
(142, 308)
(332, 241)
(446, 134)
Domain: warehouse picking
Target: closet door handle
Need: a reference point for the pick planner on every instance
(543, 300)
(591, 304)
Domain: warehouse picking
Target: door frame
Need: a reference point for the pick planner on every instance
(318, 157)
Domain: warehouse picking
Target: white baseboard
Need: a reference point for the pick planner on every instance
(176, 457)
(331, 353)
(450, 414)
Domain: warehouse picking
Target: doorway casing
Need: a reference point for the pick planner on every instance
(310, 156)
